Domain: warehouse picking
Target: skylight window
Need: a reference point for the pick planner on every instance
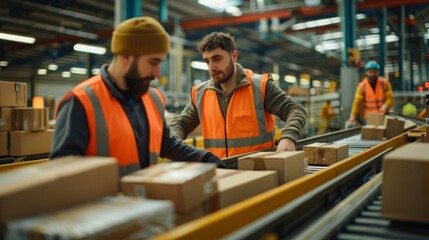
(220, 5)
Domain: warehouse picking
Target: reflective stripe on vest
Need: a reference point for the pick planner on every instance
(373, 98)
(111, 133)
(263, 139)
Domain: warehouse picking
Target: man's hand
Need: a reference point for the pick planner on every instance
(383, 109)
(286, 144)
(351, 123)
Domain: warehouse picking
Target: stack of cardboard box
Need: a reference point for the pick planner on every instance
(374, 130)
(76, 198)
(23, 130)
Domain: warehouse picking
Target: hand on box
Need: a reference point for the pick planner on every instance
(286, 144)
(351, 123)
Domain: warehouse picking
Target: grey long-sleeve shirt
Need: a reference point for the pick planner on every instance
(276, 103)
(71, 135)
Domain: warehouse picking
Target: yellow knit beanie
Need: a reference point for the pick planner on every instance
(140, 35)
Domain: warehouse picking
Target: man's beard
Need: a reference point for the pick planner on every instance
(137, 85)
(226, 75)
(372, 78)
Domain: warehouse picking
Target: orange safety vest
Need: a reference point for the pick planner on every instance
(110, 131)
(373, 100)
(247, 127)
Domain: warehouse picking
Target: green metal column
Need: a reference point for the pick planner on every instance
(401, 50)
(125, 9)
(382, 46)
(347, 12)
(163, 18)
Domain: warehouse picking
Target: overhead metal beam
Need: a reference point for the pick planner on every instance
(285, 12)
(64, 12)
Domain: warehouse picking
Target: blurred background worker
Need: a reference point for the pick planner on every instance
(235, 106)
(373, 94)
(326, 114)
(409, 109)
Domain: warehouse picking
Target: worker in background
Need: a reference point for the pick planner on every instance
(409, 109)
(117, 113)
(235, 106)
(373, 94)
(326, 114)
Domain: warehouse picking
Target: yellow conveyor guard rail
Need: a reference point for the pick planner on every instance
(227, 220)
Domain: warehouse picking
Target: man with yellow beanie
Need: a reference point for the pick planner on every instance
(117, 113)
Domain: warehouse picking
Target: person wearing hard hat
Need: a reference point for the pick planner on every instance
(373, 94)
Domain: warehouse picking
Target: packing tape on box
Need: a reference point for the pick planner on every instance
(259, 164)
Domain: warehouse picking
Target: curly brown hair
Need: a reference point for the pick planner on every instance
(217, 39)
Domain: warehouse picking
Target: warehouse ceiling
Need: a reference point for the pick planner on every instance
(266, 33)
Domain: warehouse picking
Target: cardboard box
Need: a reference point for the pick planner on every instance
(30, 119)
(374, 118)
(405, 189)
(24, 143)
(197, 212)
(288, 165)
(394, 127)
(5, 118)
(4, 144)
(325, 153)
(112, 218)
(13, 94)
(372, 132)
(238, 185)
(56, 184)
(187, 184)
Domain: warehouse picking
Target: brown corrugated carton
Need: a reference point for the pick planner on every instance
(374, 118)
(394, 127)
(13, 94)
(288, 165)
(238, 185)
(197, 212)
(372, 132)
(187, 184)
(4, 144)
(405, 190)
(325, 153)
(116, 217)
(29, 119)
(5, 118)
(24, 143)
(56, 184)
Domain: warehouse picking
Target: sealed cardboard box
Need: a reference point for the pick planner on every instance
(5, 118)
(4, 144)
(374, 118)
(238, 185)
(372, 132)
(13, 94)
(196, 212)
(56, 184)
(288, 165)
(24, 143)
(116, 217)
(30, 119)
(187, 184)
(394, 127)
(325, 153)
(405, 190)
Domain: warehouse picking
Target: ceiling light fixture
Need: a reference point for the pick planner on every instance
(17, 38)
(66, 74)
(77, 70)
(4, 63)
(199, 65)
(53, 67)
(89, 48)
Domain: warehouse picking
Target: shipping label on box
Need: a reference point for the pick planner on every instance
(187, 184)
(405, 190)
(5, 118)
(288, 165)
(325, 153)
(13, 94)
(56, 184)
